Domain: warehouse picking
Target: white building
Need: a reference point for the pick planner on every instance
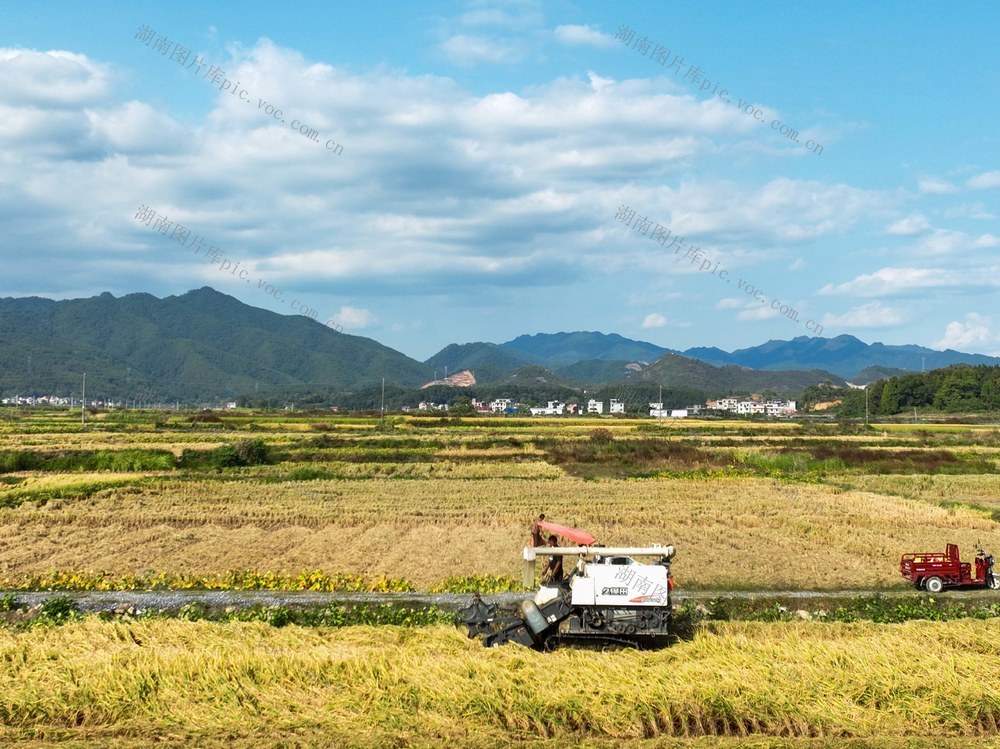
(724, 404)
(595, 407)
(500, 405)
(779, 408)
(617, 406)
(679, 413)
(555, 408)
(748, 408)
(429, 406)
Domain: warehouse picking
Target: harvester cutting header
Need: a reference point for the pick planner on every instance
(608, 597)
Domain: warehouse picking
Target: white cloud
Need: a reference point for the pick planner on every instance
(487, 17)
(783, 210)
(354, 317)
(509, 15)
(949, 242)
(871, 315)
(985, 181)
(757, 311)
(54, 79)
(934, 186)
(975, 211)
(654, 320)
(582, 35)
(915, 223)
(730, 303)
(135, 128)
(893, 281)
(467, 50)
(973, 333)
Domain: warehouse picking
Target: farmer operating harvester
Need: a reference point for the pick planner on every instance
(608, 597)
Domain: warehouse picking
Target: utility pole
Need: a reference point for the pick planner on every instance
(866, 405)
(383, 399)
(83, 406)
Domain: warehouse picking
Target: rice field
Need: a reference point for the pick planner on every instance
(977, 491)
(391, 686)
(263, 499)
(748, 505)
(730, 532)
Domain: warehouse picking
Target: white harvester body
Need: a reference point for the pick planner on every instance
(607, 596)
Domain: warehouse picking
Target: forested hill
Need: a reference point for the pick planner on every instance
(955, 389)
(202, 345)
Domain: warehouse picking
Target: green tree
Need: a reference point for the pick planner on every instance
(990, 391)
(913, 391)
(462, 407)
(890, 398)
(959, 391)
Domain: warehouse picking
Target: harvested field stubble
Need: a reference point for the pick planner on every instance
(729, 532)
(743, 502)
(974, 491)
(366, 686)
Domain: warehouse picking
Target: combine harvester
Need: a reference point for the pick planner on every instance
(608, 598)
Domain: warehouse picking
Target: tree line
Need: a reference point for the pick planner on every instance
(955, 389)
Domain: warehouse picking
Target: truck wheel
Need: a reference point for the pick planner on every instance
(933, 585)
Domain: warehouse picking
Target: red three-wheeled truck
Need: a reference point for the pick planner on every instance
(933, 571)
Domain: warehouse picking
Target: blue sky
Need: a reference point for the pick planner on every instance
(471, 162)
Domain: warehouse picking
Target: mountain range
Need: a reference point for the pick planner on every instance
(844, 355)
(199, 346)
(205, 346)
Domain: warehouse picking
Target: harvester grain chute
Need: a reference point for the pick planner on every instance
(608, 598)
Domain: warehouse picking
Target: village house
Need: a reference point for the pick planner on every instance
(555, 408)
(500, 405)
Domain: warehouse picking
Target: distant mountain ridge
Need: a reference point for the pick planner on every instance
(675, 370)
(202, 345)
(843, 355)
(206, 346)
(561, 349)
(489, 361)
